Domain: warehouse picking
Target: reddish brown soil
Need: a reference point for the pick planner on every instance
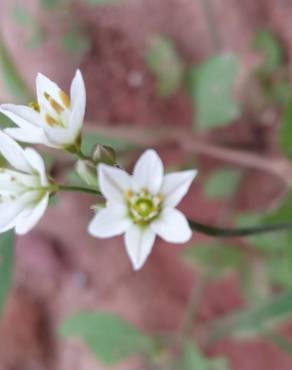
(59, 269)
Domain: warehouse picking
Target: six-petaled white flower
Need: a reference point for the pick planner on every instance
(54, 120)
(142, 206)
(23, 188)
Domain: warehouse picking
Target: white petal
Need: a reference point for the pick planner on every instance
(14, 181)
(37, 163)
(13, 153)
(33, 135)
(25, 224)
(139, 242)
(45, 85)
(172, 226)
(148, 172)
(175, 186)
(78, 103)
(21, 115)
(10, 210)
(110, 221)
(113, 183)
(59, 136)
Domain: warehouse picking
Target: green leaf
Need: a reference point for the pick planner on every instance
(219, 256)
(51, 3)
(22, 16)
(111, 338)
(269, 44)
(11, 76)
(255, 319)
(74, 42)
(285, 135)
(6, 265)
(167, 67)
(104, 2)
(222, 183)
(193, 359)
(37, 38)
(211, 87)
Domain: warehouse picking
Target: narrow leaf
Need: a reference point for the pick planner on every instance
(6, 265)
(255, 319)
(11, 76)
(111, 338)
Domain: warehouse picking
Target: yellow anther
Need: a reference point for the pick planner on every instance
(54, 104)
(129, 194)
(51, 121)
(35, 106)
(65, 99)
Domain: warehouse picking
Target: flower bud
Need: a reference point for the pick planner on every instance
(87, 171)
(104, 154)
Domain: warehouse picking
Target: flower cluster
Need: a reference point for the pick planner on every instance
(141, 205)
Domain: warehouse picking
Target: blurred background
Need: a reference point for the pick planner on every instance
(207, 84)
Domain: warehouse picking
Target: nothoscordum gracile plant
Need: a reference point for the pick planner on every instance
(55, 119)
(141, 206)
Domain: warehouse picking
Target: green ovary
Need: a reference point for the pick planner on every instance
(143, 206)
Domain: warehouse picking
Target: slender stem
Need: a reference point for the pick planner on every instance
(195, 225)
(245, 231)
(78, 189)
(192, 307)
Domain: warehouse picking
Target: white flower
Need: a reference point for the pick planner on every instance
(142, 206)
(54, 120)
(23, 188)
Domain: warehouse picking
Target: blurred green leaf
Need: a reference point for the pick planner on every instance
(37, 38)
(22, 16)
(282, 213)
(104, 2)
(6, 265)
(211, 87)
(255, 319)
(267, 42)
(5, 121)
(286, 128)
(193, 359)
(222, 183)
(89, 141)
(218, 256)
(75, 42)
(279, 341)
(111, 338)
(51, 3)
(11, 76)
(164, 62)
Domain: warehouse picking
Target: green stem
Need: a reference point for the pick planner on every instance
(78, 189)
(244, 231)
(196, 226)
(192, 307)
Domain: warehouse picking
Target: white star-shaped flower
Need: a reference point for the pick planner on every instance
(54, 120)
(142, 206)
(23, 188)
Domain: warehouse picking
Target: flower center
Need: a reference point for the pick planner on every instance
(143, 206)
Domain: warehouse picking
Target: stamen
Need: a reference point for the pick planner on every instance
(54, 104)
(35, 106)
(51, 121)
(65, 99)
(143, 206)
